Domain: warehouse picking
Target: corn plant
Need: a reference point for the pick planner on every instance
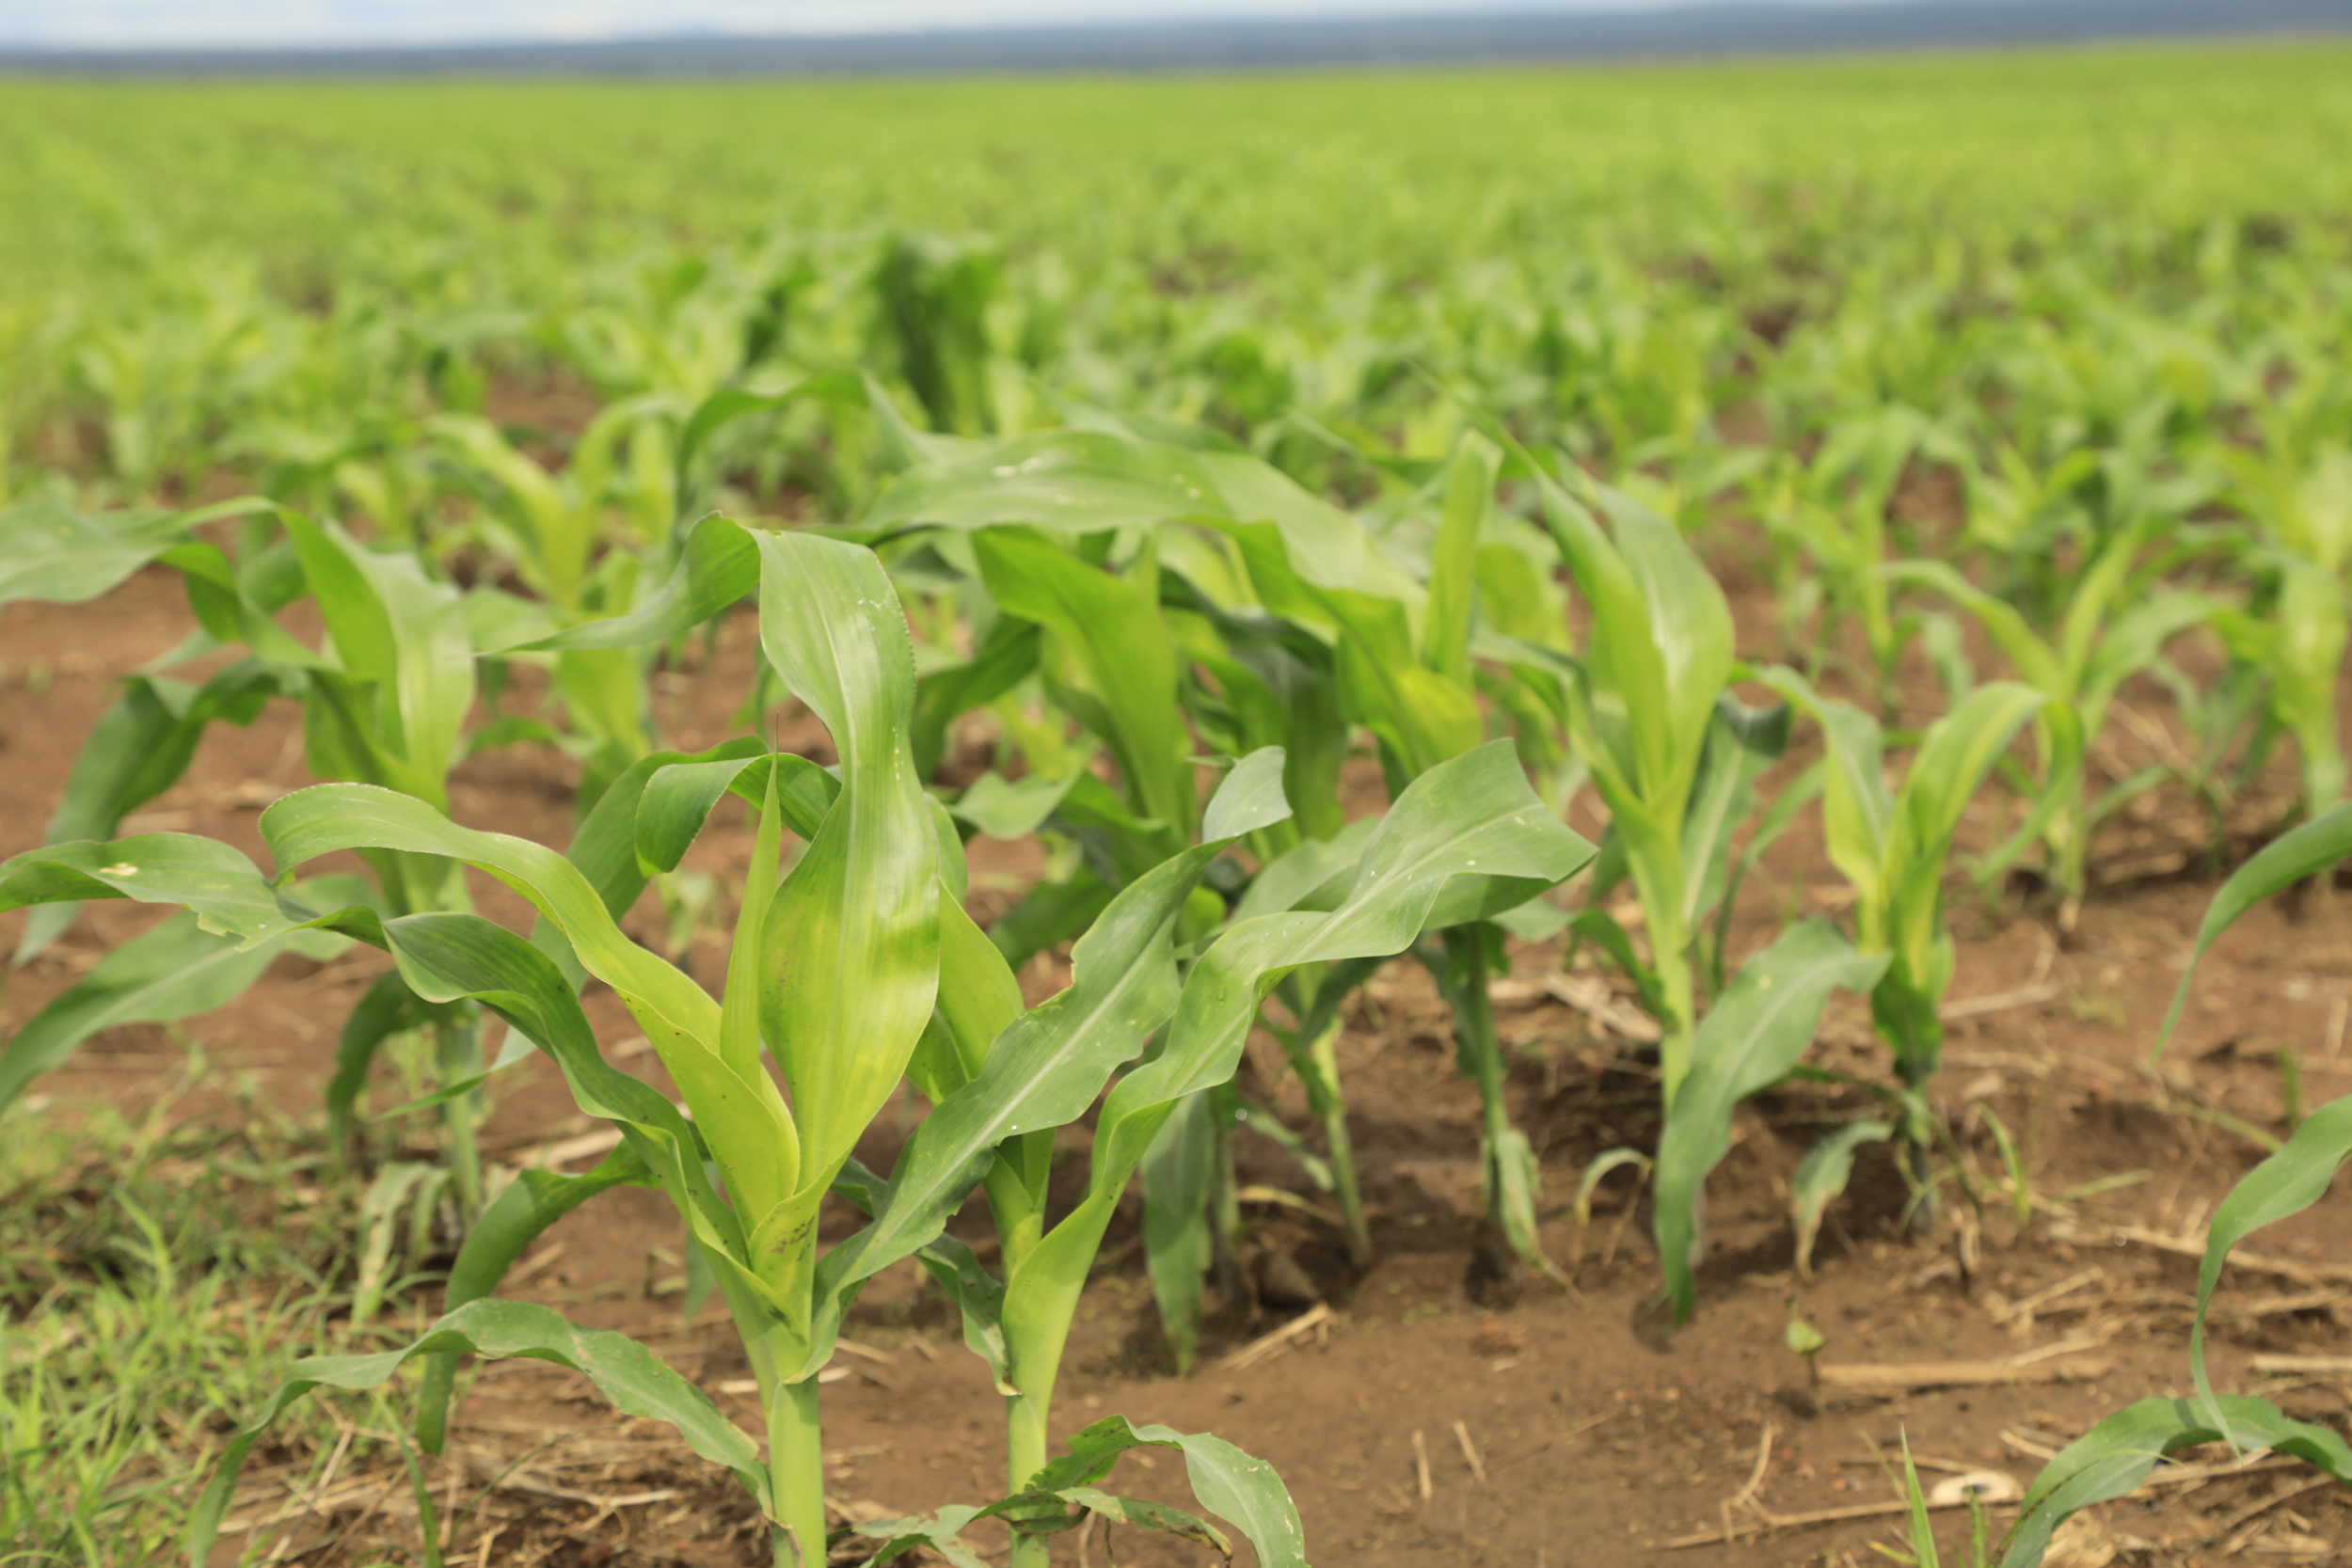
(2113, 1458)
(1252, 568)
(868, 899)
(2116, 626)
(385, 701)
(1833, 512)
(1672, 754)
(1892, 843)
(2295, 627)
(1678, 786)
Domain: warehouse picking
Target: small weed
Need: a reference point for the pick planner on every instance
(153, 1287)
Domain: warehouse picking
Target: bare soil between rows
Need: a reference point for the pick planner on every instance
(1553, 1425)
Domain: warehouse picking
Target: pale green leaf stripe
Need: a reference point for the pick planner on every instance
(851, 952)
(623, 1371)
(1751, 1037)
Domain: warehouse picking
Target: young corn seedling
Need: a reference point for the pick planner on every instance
(2116, 624)
(2296, 624)
(2113, 1458)
(385, 701)
(1678, 785)
(1672, 754)
(1892, 843)
(1255, 563)
(873, 897)
(555, 528)
(1837, 516)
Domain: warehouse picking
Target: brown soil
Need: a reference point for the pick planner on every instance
(1600, 1433)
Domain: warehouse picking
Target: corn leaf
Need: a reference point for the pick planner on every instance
(863, 900)
(2306, 851)
(1461, 818)
(2288, 1182)
(1756, 1032)
(2114, 1457)
(1821, 1174)
(173, 970)
(624, 1371)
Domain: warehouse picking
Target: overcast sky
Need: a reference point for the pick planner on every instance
(152, 24)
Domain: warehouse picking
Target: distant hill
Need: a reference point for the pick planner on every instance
(1683, 31)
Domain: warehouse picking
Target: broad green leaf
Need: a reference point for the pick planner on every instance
(1250, 797)
(2288, 1182)
(1741, 742)
(1315, 876)
(1857, 808)
(1012, 810)
(1470, 484)
(749, 1128)
(174, 971)
(2035, 662)
(1008, 658)
(897, 1537)
(139, 747)
(729, 404)
(1821, 1174)
(2114, 1457)
(406, 635)
(716, 568)
(50, 552)
(1067, 482)
(852, 942)
(679, 795)
(1228, 1483)
(624, 1371)
(1112, 631)
(1464, 816)
(520, 1215)
(2306, 851)
(1755, 1032)
(227, 895)
(445, 958)
(1044, 1069)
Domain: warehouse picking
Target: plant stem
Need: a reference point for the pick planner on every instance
(1024, 1456)
(1319, 1066)
(1481, 1053)
(457, 1055)
(796, 1467)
